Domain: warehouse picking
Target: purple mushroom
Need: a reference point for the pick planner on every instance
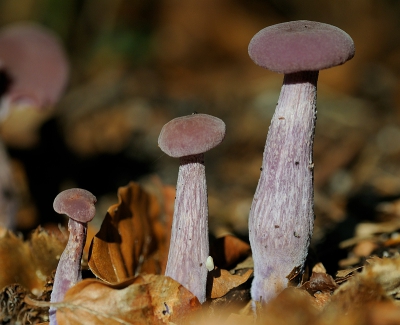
(33, 67)
(33, 74)
(188, 138)
(78, 205)
(281, 217)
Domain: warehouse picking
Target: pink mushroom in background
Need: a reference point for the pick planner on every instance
(33, 74)
(188, 138)
(34, 67)
(282, 216)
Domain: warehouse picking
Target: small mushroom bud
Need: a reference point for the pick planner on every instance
(210, 264)
(188, 137)
(78, 205)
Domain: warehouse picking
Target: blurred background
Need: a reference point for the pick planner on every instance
(135, 65)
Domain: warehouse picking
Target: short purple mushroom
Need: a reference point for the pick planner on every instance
(281, 218)
(188, 138)
(78, 205)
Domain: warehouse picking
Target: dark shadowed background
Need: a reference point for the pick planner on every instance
(138, 64)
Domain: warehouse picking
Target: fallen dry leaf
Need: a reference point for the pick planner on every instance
(228, 251)
(319, 268)
(146, 299)
(222, 281)
(320, 282)
(248, 263)
(377, 282)
(30, 262)
(132, 238)
(344, 275)
(321, 285)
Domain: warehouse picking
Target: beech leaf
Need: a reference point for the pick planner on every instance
(223, 281)
(228, 251)
(146, 299)
(133, 236)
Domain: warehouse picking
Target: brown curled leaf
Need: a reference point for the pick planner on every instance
(222, 281)
(132, 237)
(147, 299)
(320, 282)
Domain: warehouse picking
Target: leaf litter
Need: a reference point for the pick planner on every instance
(128, 256)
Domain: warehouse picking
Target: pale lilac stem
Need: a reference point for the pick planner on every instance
(69, 270)
(189, 248)
(282, 218)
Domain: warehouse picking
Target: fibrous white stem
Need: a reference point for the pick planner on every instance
(69, 270)
(189, 248)
(282, 218)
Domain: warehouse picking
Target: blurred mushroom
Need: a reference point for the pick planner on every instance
(34, 67)
(281, 217)
(188, 138)
(78, 205)
(33, 74)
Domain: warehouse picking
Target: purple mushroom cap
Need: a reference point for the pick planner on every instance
(300, 46)
(191, 135)
(77, 203)
(33, 58)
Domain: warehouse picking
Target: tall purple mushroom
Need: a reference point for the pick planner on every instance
(78, 205)
(281, 217)
(188, 138)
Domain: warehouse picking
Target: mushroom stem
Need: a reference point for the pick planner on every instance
(70, 260)
(189, 249)
(69, 271)
(282, 218)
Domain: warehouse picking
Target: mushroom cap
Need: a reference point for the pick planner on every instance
(300, 46)
(34, 59)
(191, 135)
(76, 203)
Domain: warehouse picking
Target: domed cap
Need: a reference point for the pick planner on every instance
(191, 135)
(76, 203)
(300, 46)
(34, 59)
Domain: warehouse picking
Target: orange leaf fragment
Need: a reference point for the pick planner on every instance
(223, 281)
(227, 251)
(132, 237)
(147, 299)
